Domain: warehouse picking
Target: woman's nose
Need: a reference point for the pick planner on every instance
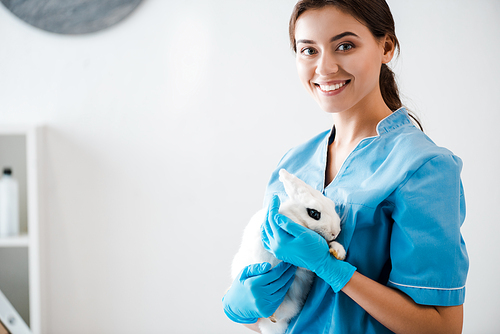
(326, 65)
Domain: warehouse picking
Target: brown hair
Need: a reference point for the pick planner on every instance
(377, 17)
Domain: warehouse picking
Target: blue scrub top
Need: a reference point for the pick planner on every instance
(402, 204)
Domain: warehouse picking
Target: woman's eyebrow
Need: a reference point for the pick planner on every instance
(333, 39)
(344, 34)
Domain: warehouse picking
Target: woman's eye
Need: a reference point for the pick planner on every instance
(345, 47)
(308, 51)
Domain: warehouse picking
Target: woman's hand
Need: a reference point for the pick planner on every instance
(258, 291)
(291, 242)
(303, 247)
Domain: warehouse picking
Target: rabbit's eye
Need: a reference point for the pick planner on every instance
(314, 214)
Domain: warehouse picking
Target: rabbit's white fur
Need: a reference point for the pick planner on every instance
(301, 197)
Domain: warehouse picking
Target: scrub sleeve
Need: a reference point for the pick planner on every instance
(427, 249)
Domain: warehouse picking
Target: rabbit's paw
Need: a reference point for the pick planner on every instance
(337, 250)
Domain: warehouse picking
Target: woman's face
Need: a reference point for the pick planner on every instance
(339, 60)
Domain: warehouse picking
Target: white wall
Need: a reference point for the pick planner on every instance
(160, 134)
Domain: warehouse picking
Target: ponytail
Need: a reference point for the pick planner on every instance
(389, 88)
(390, 92)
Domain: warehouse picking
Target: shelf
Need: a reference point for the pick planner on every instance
(19, 241)
(19, 256)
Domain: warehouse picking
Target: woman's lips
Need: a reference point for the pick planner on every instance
(331, 87)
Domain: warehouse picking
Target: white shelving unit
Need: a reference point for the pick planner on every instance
(19, 256)
(20, 241)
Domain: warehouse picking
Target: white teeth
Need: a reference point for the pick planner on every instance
(327, 88)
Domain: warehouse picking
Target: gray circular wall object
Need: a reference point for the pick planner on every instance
(71, 16)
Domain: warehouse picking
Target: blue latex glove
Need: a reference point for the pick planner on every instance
(293, 243)
(258, 291)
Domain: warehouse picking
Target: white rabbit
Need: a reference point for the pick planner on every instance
(305, 206)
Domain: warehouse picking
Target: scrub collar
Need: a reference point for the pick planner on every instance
(393, 121)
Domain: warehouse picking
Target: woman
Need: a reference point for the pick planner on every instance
(399, 195)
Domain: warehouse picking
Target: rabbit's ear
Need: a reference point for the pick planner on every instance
(295, 188)
(290, 182)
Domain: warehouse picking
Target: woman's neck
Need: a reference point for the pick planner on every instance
(351, 126)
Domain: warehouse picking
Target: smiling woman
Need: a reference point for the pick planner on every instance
(400, 196)
(379, 29)
(349, 61)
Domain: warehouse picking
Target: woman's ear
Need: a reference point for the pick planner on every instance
(389, 49)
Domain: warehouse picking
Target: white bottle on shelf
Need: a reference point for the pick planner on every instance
(9, 205)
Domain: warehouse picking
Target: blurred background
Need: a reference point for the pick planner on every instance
(159, 135)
